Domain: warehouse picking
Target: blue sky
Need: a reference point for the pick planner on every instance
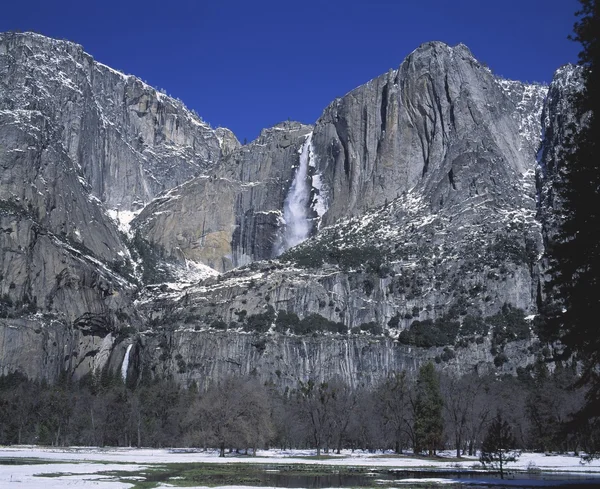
(250, 64)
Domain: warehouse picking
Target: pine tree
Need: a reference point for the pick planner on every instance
(575, 255)
(429, 424)
(498, 446)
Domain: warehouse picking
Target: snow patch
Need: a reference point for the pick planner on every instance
(320, 201)
(123, 219)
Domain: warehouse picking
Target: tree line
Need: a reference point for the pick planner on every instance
(572, 300)
(426, 413)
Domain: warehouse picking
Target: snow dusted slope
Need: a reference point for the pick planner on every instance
(427, 176)
(529, 103)
(415, 194)
(234, 215)
(80, 143)
(130, 141)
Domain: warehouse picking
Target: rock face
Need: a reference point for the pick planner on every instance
(78, 138)
(283, 360)
(442, 125)
(442, 121)
(232, 216)
(59, 251)
(558, 122)
(416, 191)
(130, 141)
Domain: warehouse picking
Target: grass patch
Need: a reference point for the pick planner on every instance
(210, 475)
(27, 461)
(435, 458)
(194, 474)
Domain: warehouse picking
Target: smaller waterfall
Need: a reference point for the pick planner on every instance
(125, 365)
(296, 205)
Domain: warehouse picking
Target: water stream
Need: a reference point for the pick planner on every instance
(296, 205)
(125, 365)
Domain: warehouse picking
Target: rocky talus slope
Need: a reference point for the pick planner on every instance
(404, 225)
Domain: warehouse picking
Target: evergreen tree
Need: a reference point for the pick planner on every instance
(499, 445)
(429, 424)
(575, 255)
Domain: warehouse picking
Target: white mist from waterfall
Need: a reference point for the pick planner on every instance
(125, 365)
(296, 205)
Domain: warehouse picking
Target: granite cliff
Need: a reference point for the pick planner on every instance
(403, 225)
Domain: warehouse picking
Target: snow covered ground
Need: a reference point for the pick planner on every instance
(76, 475)
(87, 467)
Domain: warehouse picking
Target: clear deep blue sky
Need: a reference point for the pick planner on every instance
(250, 64)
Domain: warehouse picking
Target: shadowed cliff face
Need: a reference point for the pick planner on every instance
(558, 122)
(417, 188)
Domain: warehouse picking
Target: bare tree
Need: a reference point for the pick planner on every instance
(366, 429)
(394, 405)
(316, 406)
(463, 409)
(343, 404)
(235, 413)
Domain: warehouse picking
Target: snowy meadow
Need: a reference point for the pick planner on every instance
(33, 467)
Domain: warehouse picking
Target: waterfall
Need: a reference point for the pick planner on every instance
(296, 205)
(125, 365)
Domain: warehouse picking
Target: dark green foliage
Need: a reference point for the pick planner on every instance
(505, 248)
(429, 423)
(447, 355)
(541, 405)
(394, 322)
(316, 253)
(316, 323)
(260, 323)
(286, 321)
(428, 333)
(218, 324)
(151, 257)
(474, 325)
(499, 445)
(509, 325)
(574, 255)
(241, 315)
(500, 359)
(372, 327)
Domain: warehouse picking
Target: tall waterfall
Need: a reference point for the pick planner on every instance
(125, 365)
(296, 205)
